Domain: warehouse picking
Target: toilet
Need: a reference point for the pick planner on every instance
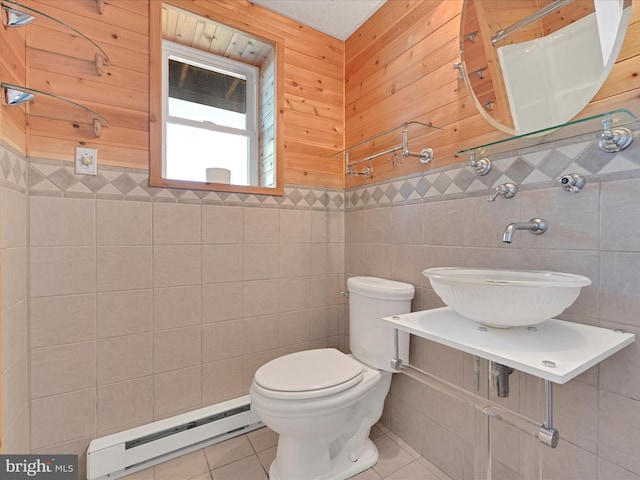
(323, 402)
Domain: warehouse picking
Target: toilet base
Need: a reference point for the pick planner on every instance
(341, 466)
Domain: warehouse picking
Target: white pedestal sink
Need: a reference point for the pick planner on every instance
(506, 298)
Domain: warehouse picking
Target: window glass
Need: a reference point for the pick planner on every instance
(211, 116)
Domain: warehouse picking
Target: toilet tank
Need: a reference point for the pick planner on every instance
(370, 299)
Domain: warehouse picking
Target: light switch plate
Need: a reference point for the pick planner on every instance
(86, 161)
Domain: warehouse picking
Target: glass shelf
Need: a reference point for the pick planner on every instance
(389, 144)
(90, 116)
(591, 124)
(414, 128)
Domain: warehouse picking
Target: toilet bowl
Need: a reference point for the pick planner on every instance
(323, 402)
(324, 430)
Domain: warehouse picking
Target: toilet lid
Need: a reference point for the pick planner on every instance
(309, 374)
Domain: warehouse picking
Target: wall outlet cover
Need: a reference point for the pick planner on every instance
(86, 161)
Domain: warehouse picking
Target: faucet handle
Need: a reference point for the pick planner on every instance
(507, 190)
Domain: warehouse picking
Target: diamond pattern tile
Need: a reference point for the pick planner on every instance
(49, 177)
(63, 178)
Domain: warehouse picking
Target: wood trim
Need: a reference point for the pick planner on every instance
(155, 106)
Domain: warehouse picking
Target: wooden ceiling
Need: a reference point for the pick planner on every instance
(186, 28)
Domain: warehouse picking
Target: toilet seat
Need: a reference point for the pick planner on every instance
(308, 374)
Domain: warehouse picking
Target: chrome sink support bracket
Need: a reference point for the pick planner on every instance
(396, 361)
(614, 140)
(545, 433)
(549, 435)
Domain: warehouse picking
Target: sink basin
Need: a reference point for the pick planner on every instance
(506, 298)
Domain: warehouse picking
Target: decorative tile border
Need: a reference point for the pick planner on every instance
(538, 165)
(57, 178)
(13, 168)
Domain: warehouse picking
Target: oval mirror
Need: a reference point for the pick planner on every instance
(534, 64)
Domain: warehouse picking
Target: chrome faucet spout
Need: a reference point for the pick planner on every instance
(536, 226)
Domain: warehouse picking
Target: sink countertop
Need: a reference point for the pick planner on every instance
(572, 347)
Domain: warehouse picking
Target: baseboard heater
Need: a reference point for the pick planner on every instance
(126, 452)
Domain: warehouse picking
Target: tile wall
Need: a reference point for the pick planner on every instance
(148, 302)
(15, 358)
(144, 302)
(396, 229)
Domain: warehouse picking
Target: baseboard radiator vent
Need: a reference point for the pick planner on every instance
(124, 453)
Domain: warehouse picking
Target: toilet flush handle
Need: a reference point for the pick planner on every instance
(345, 294)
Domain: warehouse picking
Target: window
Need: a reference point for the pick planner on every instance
(210, 115)
(225, 84)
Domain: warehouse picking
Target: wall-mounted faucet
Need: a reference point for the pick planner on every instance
(536, 226)
(572, 182)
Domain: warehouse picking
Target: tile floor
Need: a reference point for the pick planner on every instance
(248, 457)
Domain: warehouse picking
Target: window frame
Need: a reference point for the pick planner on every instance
(156, 178)
(209, 61)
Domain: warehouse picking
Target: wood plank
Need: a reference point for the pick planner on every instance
(111, 136)
(295, 176)
(114, 75)
(314, 107)
(426, 56)
(56, 149)
(100, 32)
(82, 89)
(624, 77)
(393, 44)
(383, 20)
(64, 43)
(133, 16)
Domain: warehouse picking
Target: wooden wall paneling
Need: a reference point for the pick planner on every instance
(309, 84)
(127, 15)
(298, 176)
(390, 13)
(393, 44)
(61, 63)
(58, 149)
(624, 76)
(70, 130)
(294, 57)
(425, 57)
(420, 101)
(116, 76)
(631, 45)
(125, 28)
(87, 89)
(312, 75)
(64, 43)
